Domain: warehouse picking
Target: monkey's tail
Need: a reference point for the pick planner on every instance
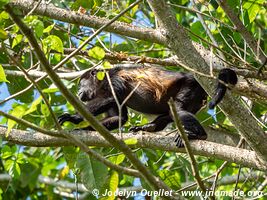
(227, 76)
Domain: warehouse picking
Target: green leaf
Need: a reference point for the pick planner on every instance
(52, 42)
(87, 4)
(117, 159)
(49, 28)
(3, 34)
(71, 155)
(97, 53)
(253, 8)
(45, 110)
(82, 124)
(107, 65)
(34, 106)
(131, 141)
(17, 40)
(113, 185)
(93, 173)
(29, 175)
(6, 152)
(51, 89)
(18, 112)
(4, 15)
(2, 75)
(100, 75)
(38, 27)
(98, 2)
(13, 168)
(3, 2)
(170, 178)
(20, 158)
(233, 3)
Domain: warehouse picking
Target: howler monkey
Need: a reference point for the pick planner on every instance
(156, 87)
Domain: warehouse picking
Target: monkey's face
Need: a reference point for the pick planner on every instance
(88, 86)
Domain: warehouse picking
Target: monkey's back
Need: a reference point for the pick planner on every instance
(155, 87)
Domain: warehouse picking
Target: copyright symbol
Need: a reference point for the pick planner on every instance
(95, 192)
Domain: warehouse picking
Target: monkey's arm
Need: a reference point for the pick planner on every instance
(95, 106)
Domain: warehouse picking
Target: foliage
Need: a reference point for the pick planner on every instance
(26, 164)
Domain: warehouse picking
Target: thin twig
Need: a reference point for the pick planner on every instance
(187, 146)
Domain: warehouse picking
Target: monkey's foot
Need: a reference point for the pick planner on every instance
(146, 127)
(179, 141)
(66, 117)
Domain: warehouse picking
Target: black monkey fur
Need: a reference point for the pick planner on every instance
(156, 87)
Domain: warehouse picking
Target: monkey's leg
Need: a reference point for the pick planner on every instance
(157, 125)
(111, 122)
(95, 106)
(192, 128)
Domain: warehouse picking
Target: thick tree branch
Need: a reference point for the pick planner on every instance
(38, 139)
(157, 141)
(38, 74)
(181, 44)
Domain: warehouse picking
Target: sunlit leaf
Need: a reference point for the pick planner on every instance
(4, 15)
(97, 53)
(100, 75)
(253, 8)
(53, 42)
(45, 110)
(38, 27)
(18, 112)
(17, 40)
(131, 141)
(113, 186)
(117, 159)
(34, 105)
(48, 28)
(2, 75)
(107, 65)
(3, 34)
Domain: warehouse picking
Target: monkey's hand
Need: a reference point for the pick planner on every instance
(191, 136)
(66, 117)
(179, 141)
(147, 127)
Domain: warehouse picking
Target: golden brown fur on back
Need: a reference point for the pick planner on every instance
(152, 79)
